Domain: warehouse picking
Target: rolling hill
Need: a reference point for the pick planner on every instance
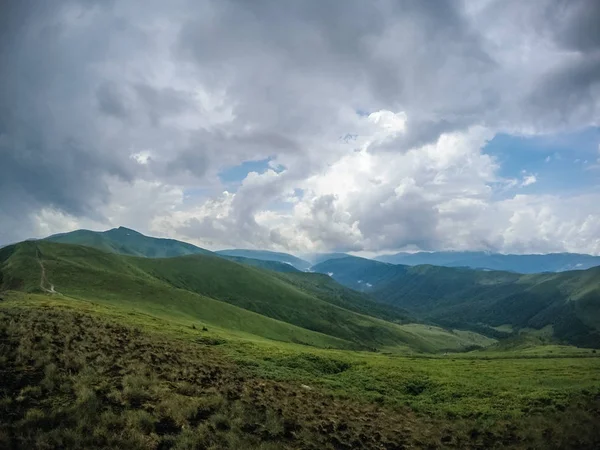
(316, 258)
(210, 290)
(128, 242)
(266, 264)
(125, 241)
(326, 288)
(552, 262)
(264, 255)
(569, 302)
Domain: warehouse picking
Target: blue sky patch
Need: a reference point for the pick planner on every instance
(560, 162)
(236, 174)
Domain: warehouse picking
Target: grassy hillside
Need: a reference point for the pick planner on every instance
(264, 255)
(85, 273)
(459, 297)
(272, 295)
(128, 242)
(75, 374)
(209, 290)
(331, 291)
(275, 266)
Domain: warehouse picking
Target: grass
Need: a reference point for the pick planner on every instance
(203, 353)
(486, 385)
(212, 291)
(79, 375)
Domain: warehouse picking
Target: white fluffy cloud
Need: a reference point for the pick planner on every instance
(373, 117)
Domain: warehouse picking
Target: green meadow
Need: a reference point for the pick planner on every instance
(100, 350)
(81, 373)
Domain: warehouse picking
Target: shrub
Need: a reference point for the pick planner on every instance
(51, 377)
(140, 420)
(313, 364)
(178, 408)
(137, 389)
(87, 403)
(221, 422)
(417, 386)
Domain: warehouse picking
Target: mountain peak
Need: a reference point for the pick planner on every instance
(124, 230)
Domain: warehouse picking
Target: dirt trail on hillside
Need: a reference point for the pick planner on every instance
(43, 280)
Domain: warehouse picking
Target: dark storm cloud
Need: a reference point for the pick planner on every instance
(575, 23)
(214, 150)
(159, 103)
(111, 100)
(201, 85)
(47, 156)
(568, 94)
(306, 54)
(571, 93)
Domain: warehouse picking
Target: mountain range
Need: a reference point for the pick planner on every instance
(130, 242)
(551, 262)
(212, 291)
(126, 241)
(490, 302)
(566, 302)
(264, 255)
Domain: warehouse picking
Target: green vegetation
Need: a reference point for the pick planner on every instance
(480, 300)
(128, 242)
(76, 374)
(210, 290)
(263, 255)
(275, 266)
(329, 290)
(102, 350)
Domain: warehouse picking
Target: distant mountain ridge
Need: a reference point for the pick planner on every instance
(126, 241)
(316, 258)
(267, 264)
(569, 302)
(266, 255)
(528, 263)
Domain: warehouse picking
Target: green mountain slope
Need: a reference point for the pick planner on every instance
(316, 258)
(275, 266)
(264, 255)
(358, 273)
(128, 242)
(85, 273)
(331, 291)
(269, 294)
(459, 297)
(207, 289)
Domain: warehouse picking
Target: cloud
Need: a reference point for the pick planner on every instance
(528, 180)
(373, 116)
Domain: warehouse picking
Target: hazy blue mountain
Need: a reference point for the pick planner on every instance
(316, 258)
(128, 242)
(358, 273)
(569, 301)
(265, 255)
(552, 262)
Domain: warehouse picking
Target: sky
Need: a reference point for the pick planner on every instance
(304, 126)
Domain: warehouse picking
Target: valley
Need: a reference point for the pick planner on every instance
(114, 347)
(484, 301)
